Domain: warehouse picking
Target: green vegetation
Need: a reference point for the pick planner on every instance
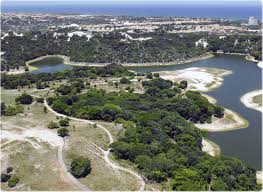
(24, 99)
(13, 181)
(15, 81)
(257, 99)
(5, 177)
(40, 99)
(64, 122)
(125, 80)
(80, 167)
(163, 47)
(63, 132)
(53, 125)
(183, 84)
(160, 138)
(11, 110)
(9, 169)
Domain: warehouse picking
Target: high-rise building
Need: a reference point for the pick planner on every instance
(252, 21)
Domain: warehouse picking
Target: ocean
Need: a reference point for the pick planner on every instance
(228, 11)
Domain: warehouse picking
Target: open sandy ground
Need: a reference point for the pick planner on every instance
(230, 121)
(247, 100)
(210, 147)
(198, 78)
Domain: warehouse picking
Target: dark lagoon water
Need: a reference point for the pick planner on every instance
(242, 143)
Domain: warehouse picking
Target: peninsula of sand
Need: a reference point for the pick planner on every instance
(253, 100)
(205, 79)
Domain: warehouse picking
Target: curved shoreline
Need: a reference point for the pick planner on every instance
(67, 61)
(247, 100)
(223, 124)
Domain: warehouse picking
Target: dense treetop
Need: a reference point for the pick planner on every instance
(159, 137)
(107, 48)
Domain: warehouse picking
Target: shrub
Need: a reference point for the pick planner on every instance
(124, 80)
(183, 84)
(11, 111)
(52, 125)
(24, 99)
(80, 167)
(40, 100)
(63, 132)
(5, 177)
(9, 169)
(63, 122)
(13, 181)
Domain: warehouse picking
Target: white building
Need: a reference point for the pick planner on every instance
(252, 21)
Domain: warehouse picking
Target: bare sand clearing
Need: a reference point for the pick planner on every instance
(31, 135)
(230, 121)
(210, 147)
(247, 100)
(198, 78)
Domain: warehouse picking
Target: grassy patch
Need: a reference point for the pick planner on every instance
(257, 99)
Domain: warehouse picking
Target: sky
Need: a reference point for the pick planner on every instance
(139, 1)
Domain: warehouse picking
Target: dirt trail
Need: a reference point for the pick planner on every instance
(105, 153)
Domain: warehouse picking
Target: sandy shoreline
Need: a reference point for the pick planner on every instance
(260, 64)
(210, 147)
(247, 100)
(198, 78)
(230, 121)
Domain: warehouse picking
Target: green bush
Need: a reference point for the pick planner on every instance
(63, 122)
(24, 99)
(13, 181)
(9, 169)
(11, 111)
(5, 177)
(63, 132)
(80, 167)
(53, 125)
(124, 80)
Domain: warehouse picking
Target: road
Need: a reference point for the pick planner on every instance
(105, 153)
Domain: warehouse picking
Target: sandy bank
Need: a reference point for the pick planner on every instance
(259, 176)
(247, 100)
(198, 78)
(210, 147)
(230, 121)
(260, 64)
